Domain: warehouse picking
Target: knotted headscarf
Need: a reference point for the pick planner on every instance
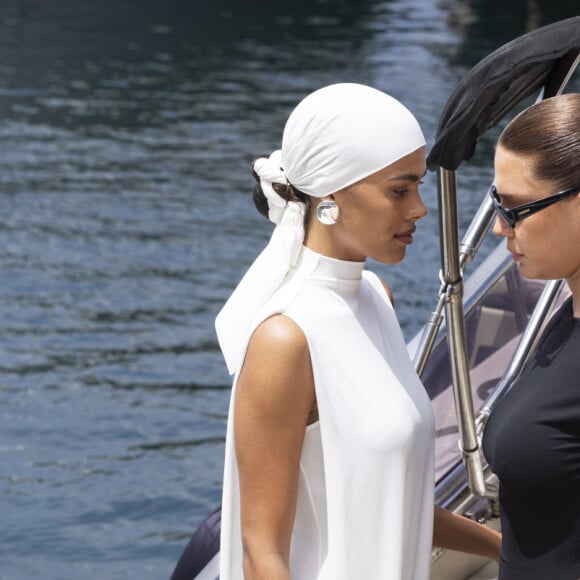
(335, 137)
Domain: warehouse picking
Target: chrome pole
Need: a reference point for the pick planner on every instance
(454, 316)
(476, 232)
(429, 333)
(469, 247)
(526, 345)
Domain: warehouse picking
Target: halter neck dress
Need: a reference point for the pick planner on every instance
(365, 494)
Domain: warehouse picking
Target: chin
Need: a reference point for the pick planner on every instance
(390, 259)
(534, 275)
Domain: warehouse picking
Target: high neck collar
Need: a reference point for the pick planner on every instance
(325, 267)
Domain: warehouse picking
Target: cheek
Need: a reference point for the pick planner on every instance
(357, 217)
(371, 218)
(554, 253)
(546, 233)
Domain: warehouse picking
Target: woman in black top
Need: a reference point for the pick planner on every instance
(532, 440)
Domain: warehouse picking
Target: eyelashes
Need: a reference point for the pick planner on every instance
(401, 191)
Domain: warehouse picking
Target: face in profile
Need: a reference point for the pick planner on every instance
(546, 245)
(378, 214)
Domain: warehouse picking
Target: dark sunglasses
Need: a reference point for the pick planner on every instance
(512, 216)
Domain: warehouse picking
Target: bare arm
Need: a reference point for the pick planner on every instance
(275, 394)
(459, 533)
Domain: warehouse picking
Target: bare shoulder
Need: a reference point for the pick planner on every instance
(279, 335)
(388, 291)
(277, 354)
(276, 382)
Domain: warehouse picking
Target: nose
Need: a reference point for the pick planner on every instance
(417, 210)
(500, 228)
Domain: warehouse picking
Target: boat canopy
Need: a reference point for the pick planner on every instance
(542, 57)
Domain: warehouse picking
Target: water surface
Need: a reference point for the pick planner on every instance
(126, 132)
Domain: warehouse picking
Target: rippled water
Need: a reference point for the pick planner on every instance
(126, 130)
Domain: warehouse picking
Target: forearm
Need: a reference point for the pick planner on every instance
(459, 533)
(263, 566)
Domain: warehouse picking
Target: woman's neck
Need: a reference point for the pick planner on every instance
(319, 240)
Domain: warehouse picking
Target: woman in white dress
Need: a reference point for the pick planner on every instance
(329, 451)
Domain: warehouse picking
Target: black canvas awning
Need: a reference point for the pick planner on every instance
(498, 83)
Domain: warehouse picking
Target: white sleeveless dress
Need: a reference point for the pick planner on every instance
(366, 485)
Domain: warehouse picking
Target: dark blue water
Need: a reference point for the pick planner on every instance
(126, 132)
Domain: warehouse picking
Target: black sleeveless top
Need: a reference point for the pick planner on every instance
(532, 443)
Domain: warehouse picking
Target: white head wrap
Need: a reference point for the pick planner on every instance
(335, 137)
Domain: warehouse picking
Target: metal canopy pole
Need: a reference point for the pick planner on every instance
(451, 274)
(468, 248)
(527, 344)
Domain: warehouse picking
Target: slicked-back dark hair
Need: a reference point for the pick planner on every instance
(549, 131)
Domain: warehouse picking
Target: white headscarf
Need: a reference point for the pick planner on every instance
(335, 137)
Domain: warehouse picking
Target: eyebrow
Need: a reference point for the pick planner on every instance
(506, 197)
(513, 199)
(407, 177)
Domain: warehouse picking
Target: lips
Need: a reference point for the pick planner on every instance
(516, 257)
(406, 237)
